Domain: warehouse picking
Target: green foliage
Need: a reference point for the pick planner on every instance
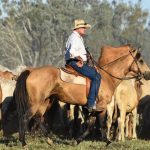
(35, 32)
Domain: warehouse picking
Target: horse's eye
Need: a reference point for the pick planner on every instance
(141, 61)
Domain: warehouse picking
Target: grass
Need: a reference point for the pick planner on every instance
(40, 143)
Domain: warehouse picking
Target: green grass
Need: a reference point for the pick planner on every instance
(40, 143)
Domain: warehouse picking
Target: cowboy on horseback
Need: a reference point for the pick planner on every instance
(76, 57)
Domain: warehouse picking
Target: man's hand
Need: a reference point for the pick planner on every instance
(79, 62)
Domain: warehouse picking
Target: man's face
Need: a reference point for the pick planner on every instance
(81, 31)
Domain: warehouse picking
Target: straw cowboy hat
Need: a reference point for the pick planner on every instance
(79, 23)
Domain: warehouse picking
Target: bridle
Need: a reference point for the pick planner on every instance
(138, 76)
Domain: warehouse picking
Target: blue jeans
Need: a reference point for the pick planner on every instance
(95, 78)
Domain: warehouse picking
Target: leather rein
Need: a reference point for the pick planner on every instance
(138, 76)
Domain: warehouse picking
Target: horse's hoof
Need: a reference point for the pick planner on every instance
(108, 142)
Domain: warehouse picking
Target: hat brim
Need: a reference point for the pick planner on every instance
(87, 26)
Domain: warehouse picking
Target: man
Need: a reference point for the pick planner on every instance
(76, 57)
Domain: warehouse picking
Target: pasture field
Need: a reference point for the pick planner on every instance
(40, 143)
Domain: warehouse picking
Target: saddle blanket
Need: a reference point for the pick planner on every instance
(70, 78)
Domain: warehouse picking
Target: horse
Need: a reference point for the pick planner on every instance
(123, 102)
(35, 88)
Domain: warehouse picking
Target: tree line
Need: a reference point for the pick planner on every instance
(34, 33)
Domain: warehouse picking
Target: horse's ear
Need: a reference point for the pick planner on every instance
(139, 49)
(138, 55)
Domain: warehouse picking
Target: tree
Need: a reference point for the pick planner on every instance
(34, 32)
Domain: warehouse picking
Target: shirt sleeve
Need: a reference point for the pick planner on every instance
(74, 50)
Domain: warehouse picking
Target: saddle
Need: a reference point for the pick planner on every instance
(68, 74)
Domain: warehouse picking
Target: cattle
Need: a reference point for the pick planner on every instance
(7, 88)
(143, 94)
(7, 83)
(144, 110)
(123, 102)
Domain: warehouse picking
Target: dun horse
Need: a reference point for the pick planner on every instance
(34, 88)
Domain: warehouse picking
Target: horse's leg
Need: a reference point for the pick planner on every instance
(80, 120)
(134, 112)
(77, 129)
(87, 125)
(115, 132)
(110, 110)
(23, 123)
(22, 127)
(33, 125)
(100, 125)
(38, 123)
(71, 119)
(121, 122)
(42, 109)
(87, 131)
(130, 126)
(127, 125)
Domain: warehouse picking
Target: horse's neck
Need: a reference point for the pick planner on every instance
(119, 70)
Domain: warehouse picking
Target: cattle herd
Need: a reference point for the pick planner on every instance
(128, 112)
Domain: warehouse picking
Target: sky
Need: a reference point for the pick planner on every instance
(144, 3)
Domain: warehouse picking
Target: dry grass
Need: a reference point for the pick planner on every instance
(41, 143)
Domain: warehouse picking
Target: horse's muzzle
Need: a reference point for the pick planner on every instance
(146, 75)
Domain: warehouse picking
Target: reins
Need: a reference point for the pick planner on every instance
(139, 70)
(114, 61)
(138, 76)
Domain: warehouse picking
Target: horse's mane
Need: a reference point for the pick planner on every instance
(107, 51)
(108, 48)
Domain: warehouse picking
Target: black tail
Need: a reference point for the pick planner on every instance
(20, 94)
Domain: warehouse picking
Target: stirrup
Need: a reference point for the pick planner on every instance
(90, 109)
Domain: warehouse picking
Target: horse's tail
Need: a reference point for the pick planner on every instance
(20, 94)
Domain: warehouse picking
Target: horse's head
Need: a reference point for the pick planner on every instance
(138, 65)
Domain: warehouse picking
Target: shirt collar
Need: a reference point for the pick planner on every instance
(75, 32)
